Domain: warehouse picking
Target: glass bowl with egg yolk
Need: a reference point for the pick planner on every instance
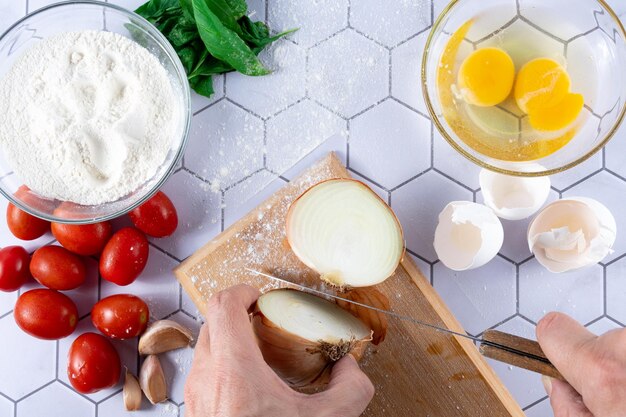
(527, 87)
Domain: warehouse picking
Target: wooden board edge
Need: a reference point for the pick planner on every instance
(451, 322)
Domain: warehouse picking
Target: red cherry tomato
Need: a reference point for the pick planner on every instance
(120, 316)
(25, 226)
(124, 256)
(14, 271)
(46, 314)
(94, 364)
(57, 268)
(156, 217)
(84, 239)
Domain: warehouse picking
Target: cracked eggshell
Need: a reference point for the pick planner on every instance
(468, 235)
(513, 198)
(571, 234)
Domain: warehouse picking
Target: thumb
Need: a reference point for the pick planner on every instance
(568, 345)
(349, 391)
(564, 399)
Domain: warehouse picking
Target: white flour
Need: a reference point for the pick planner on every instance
(87, 116)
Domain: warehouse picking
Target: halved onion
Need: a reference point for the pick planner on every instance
(301, 335)
(375, 320)
(344, 231)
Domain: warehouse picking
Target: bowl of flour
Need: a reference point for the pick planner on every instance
(94, 112)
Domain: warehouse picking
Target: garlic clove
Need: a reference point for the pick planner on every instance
(163, 336)
(131, 392)
(572, 233)
(152, 380)
(513, 198)
(468, 235)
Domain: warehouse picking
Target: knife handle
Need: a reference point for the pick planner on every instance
(517, 351)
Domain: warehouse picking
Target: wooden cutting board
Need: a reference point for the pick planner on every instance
(416, 371)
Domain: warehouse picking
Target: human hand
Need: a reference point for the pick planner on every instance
(229, 377)
(594, 366)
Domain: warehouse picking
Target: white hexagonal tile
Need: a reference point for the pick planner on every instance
(189, 307)
(348, 73)
(418, 204)
(567, 178)
(177, 363)
(602, 326)
(8, 239)
(256, 10)
(541, 409)
(248, 194)
(577, 293)
(609, 190)
(392, 21)
(26, 363)
(525, 386)
(615, 157)
(572, 21)
(406, 64)
(199, 214)
(7, 301)
(271, 93)
(127, 349)
(55, 400)
(390, 162)
(156, 285)
(423, 266)
(316, 20)
(480, 298)
(286, 145)
(114, 407)
(447, 160)
(508, 39)
(6, 407)
(10, 12)
(515, 245)
(382, 193)
(199, 102)
(224, 144)
(616, 290)
(337, 144)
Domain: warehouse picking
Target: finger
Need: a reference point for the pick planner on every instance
(228, 318)
(349, 390)
(564, 399)
(568, 346)
(202, 349)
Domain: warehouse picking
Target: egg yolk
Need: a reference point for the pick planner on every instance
(542, 90)
(559, 116)
(486, 77)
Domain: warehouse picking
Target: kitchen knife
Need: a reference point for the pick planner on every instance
(501, 346)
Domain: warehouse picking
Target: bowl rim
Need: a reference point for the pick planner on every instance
(442, 130)
(171, 53)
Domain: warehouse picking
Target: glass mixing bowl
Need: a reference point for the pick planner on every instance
(593, 45)
(92, 15)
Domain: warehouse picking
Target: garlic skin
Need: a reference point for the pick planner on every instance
(131, 392)
(572, 233)
(513, 198)
(301, 335)
(163, 336)
(468, 235)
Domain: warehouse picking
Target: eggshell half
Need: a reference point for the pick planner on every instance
(468, 235)
(513, 198)
(572, 233)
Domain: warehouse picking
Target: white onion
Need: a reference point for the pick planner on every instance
(302, 335)
(344, 231)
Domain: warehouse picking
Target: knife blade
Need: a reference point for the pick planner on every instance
(501, 346)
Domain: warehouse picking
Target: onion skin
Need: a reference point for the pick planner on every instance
(300, 362)
(375, 320)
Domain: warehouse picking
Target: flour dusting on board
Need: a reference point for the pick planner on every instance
(261, 244)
